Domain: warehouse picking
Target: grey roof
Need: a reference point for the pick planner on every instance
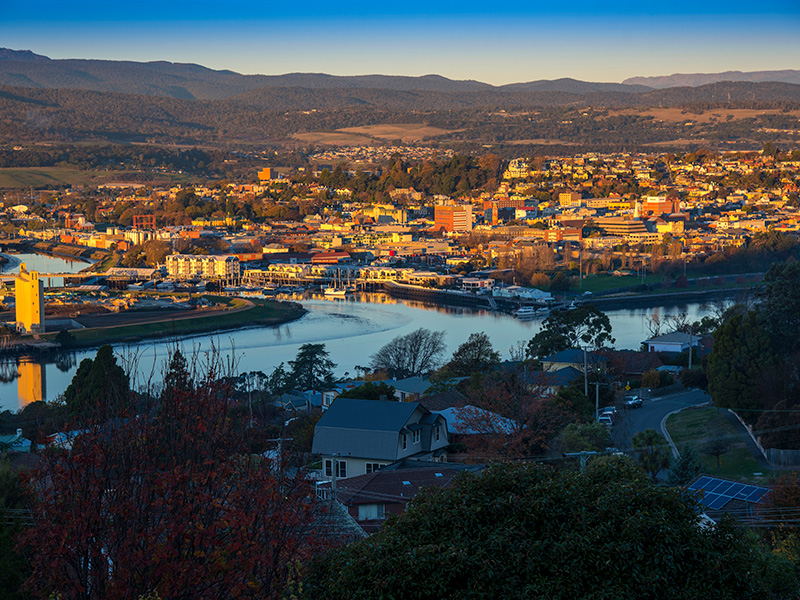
(363, 428)
(375, 415)
(676, 337)
(412, 385)
(573, 355)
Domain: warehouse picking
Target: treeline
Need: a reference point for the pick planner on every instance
(267, 116)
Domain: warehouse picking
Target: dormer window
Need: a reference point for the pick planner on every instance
(415, 436)
(404, 441)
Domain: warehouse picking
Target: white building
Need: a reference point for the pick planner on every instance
(190, 266)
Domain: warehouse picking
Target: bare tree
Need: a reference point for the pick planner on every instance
(411, 355)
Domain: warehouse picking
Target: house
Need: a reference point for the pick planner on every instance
(371, 499)
(410, 388)
(15, 442)
(357, 437)
(676, 342)
(575, 358)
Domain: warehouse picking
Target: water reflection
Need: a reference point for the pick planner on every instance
(32, 381)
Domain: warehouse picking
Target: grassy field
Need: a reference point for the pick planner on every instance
(38, 177)
(261, 313)
(695, 426)
(601, 283)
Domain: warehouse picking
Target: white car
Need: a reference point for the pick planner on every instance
(605, 420)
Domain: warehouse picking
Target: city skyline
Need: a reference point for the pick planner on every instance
(511, 44)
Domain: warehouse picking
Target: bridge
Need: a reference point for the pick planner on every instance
(10, 276)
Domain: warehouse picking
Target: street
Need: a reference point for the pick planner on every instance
(630, 421)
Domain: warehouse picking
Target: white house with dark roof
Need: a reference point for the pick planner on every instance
(677, 342)
(357, 437)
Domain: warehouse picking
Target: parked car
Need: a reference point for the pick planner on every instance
(605, 420)
(633, 402)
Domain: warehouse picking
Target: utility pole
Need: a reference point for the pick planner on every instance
(585, 375)
(596, 400)
(691, 332)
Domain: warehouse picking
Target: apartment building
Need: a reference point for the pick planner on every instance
(189, 266)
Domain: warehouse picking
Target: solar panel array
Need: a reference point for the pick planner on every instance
(718, 492)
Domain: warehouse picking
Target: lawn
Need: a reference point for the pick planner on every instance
(695, 426)
(262, 313)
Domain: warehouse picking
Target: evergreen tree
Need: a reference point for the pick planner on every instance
(311, 368)
(685, 468)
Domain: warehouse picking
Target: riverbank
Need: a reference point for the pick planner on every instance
(241, 314)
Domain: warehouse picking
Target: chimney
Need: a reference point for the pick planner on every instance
(19, 433)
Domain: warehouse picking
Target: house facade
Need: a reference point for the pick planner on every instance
(357, 437)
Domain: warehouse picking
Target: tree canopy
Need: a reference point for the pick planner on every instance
(413, 354)
(527, 531)
(311, 369)
(476, 354)
(742, 352)
(581, 326)
(168, 500)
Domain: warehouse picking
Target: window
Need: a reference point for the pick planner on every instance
(368, 512)
(436, 433)
(372, 467)
(341, 468)
(415, 436)
(404, 441)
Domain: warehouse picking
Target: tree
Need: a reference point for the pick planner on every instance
(371, 390)
(14, 568)
(685, 468)
(716, 448)
(653, 451)
(410, 355)
(476, 354)
(311, 369)
(99, 387)
(780, 305)
(579, 437)
(162, 500)
(528, 531)
(742, 351)
(585, 325)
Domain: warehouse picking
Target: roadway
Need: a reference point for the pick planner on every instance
(631, 421)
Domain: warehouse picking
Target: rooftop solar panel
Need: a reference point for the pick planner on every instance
(735, 490)
(698, 485)
(723, 487)
(719, 503)
(757, 495)
(709, 498)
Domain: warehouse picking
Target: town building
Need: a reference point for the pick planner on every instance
(189, 266)
(29, 290)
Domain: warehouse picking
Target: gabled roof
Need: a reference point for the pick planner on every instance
(676, 337)
(574, 355)
(363, 428)
(371, 415)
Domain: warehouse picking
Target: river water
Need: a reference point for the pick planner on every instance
(352, 329)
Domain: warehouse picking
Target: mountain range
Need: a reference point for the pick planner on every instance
(24, 68)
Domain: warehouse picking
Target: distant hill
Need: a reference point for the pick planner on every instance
(23, 68)
(697, 79)
(572, 86)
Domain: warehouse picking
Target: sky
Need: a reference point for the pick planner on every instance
(496, 43)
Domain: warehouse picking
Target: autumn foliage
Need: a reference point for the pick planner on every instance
(165, 498)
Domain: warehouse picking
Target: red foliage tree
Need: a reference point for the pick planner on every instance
(165, 498)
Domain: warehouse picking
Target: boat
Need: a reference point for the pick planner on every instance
(525, 312)
(338, 289)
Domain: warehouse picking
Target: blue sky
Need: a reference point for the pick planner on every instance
(493, 42)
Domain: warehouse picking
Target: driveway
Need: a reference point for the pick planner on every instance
(631, 421)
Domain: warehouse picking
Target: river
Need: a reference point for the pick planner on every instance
(352, 329)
